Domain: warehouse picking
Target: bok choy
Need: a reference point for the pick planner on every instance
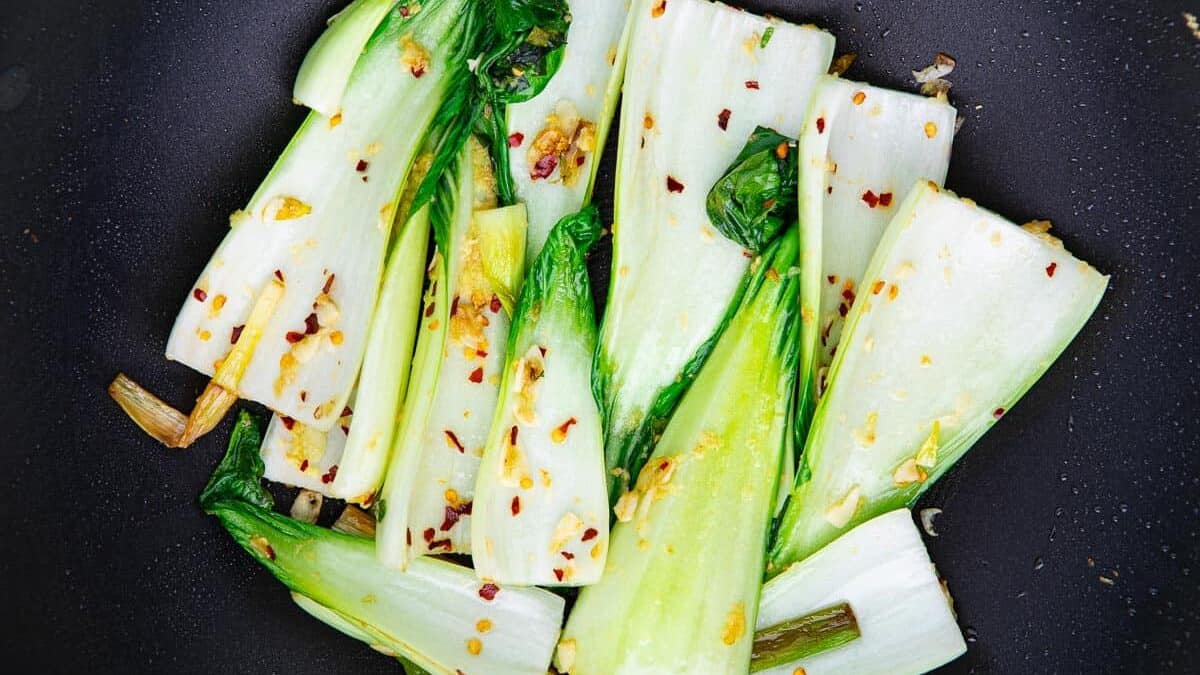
(960, 312)
(861, 149)
(541, 508)
(880, 569)
(554, 140)
(700, 78)
(689, 544)
(436, 615)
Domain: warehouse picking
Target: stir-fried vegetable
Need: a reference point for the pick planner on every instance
(959, 313)
(689, 545)
(554, 140)
(700, 78)
(541, 509)
(861, 149)
(436, 615)
(882, 571)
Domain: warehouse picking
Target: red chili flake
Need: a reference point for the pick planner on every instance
(1050, 269)
(404, 12)
(768, 205)
(236, 334)
(516, 139)
(832, 279)
(566, 426)
(568, 555)
(279, 275)
(488, 591)
(346, 411)
(288, 422)
(418, 71)
(752, 84)
(328, 284)
(453, 438)
(427, 535)
(496, 305)
(998, 413)
(674, 185)
(330, 475)
(833, 352)
(512, 435)
(590, 533)
(361, 166)
(871, 199)
(885, 199)
(454, 307)
(441, 543)
(843, 309)
(430, 310)
(542, 350)
(747, 254)
(829, 190)
(516, 505)
(293, 337)
(270, 552)
(200, 295)
(662, 466)
(346, 429)
(366, 178)
(820, 125)
(544, 167)
(476, 375)
(304, 466)
(579, 160)
(311, 325)
(558, 574)
(408, 536)
(481, 353)
(303, 395)
(723, 119)
(848, 295)
(453, 513)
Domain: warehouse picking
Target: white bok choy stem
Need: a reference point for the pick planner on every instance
(541, 506)
(429, 490)
(556, 139)
(960, 312)
(862, 148)
(680, 591)
(329, 63)
(700, 78)
(437, 615)
(312, 239)
(881, 569)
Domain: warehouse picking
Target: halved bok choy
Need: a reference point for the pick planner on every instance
(281, 313)
(554, 140)
(881, 571)
(862, 148)
(701, 77)
(959, 313)
(437, 615)
(690, 541)
(541, 507)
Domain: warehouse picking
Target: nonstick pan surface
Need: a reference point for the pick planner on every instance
(129, 129)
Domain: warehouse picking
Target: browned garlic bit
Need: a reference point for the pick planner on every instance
(318, 330)
(414, 56)
(931, 78)
(560, 149)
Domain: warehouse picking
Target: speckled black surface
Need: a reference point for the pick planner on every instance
(130, 129)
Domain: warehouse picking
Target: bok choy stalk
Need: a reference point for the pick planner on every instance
(554, 140)
(281, 313)
(861, 149)
(700, 78)
(959, 314)
(455, 380)
(691, 534)
(881, 569)
(541, 507)
(437, 615)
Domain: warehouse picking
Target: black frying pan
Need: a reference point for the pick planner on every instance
(130, 129)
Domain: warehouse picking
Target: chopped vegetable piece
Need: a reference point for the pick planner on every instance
(977, 323)
(860, 154)
(690, 541)
(881, 569)
(556, 458)
(337, 578)
(162, 422)
(674, 277)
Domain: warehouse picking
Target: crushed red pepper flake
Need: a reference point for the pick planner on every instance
(589, 534)
(558, 574)
(723, 118)
(304, 466)
(430, 309)
(361, 166)
(496, 305)
(453, 513)
(476, 376)
(674, 185)
(279, 275)
(752, 84)
(328, 284)
(441, 543)
(885, 199)
(870, 198)
(820, 125)
(453, 438)
(408, 536)
(303, 395)
(346, 411)
(568, 555)
(330, 475)
(236, 334)
(428, 535)
(516, 505)
(454, 307)
(877, 287)
(288, 422)
(832, 279)
(512, 435)
(200, 294)
(488, 591)
(829, 190)
(843, 310)
(293, 337)
(544, 167)
(1050, 269)
(998, 413)
(311, 324)
(516, 139)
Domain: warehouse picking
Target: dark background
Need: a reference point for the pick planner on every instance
(130, 129)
